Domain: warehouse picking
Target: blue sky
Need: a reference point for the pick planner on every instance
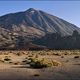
(67, 10)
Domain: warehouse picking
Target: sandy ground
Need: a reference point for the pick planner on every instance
(69, 70)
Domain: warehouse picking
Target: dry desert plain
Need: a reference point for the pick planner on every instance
(14, 65)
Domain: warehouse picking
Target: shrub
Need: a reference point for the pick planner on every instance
(18, 54)
(16, 63)
(65, 54)
(62, 56)
(2, 61)
(57, 54)
(56, 63)
(43, 63)
(67, 60)
(37, 64)
(36, 75)
(7, 59)
(30, 56)
(27, 61)
(24, 61)
(10, 62)
(30, 59)
(76, 56)
(36, 56)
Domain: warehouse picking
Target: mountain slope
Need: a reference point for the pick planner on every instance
(30, 25)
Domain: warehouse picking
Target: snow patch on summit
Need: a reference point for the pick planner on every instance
(32, 12)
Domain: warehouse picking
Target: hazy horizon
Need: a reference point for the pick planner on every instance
(67, 10)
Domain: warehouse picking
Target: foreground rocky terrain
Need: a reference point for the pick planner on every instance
(13, 66)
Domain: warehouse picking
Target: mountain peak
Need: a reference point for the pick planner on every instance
(31, 25)
(31, 9)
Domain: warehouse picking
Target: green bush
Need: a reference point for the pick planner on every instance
(43, 63)
(37, 64)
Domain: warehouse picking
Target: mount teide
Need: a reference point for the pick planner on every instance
(22, 29)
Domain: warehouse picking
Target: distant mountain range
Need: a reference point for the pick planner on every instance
(36, 29)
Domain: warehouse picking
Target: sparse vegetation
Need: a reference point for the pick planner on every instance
(76, 56)
(37, 59)
(62, 56)
(43, 63)
(7, 59)
(57, 54)
(36, 75)
(40, 64)
(2, 61)
(16, 63)
(37, 64)
(18, 54)
(10, 62)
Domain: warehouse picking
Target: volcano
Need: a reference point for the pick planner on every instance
(21, 28)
